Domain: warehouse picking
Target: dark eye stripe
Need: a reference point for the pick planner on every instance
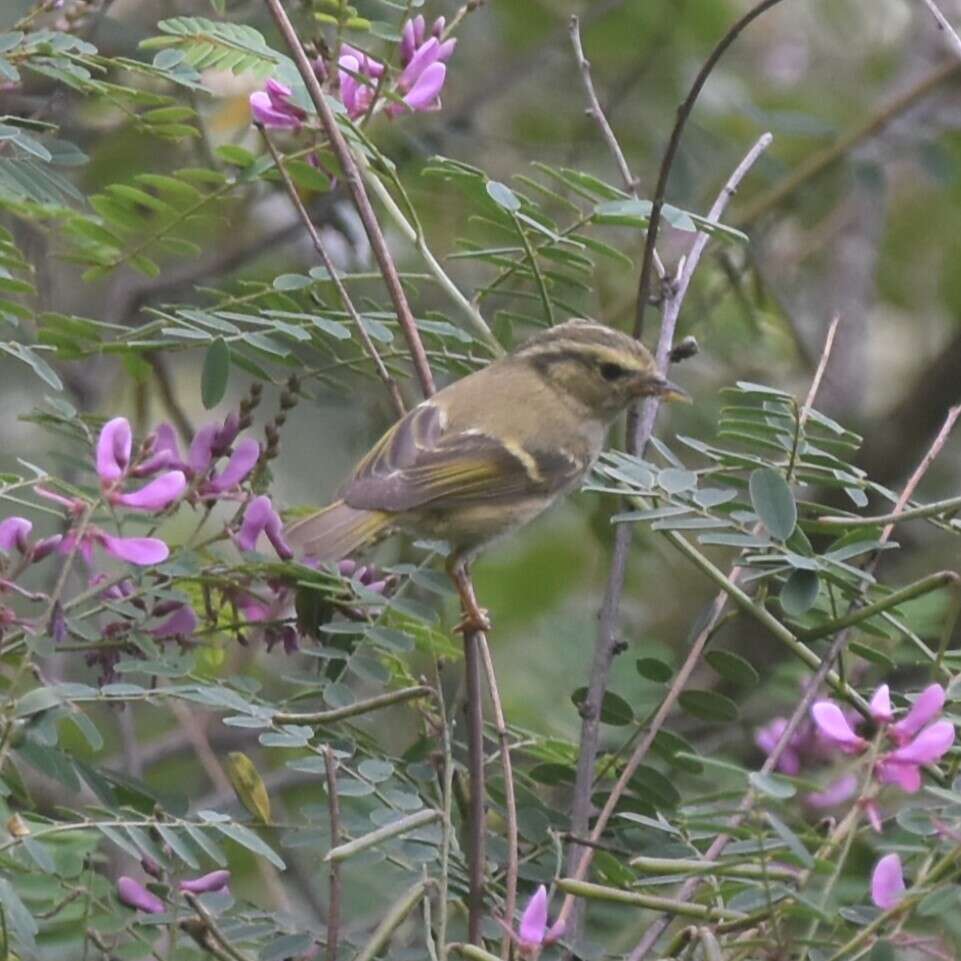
(613, 372)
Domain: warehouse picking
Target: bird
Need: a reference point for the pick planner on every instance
(490, 452)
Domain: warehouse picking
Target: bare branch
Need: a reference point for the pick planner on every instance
(943, 24)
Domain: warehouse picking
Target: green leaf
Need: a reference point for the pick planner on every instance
(799, 593)
(503, 196)
(216, 371)
(17, 916)
(675, 480)
(654, 669)
(772, 785)
(732, 667)
(793, 842)
(614, 709)
(773, 501)
(245, 837)
(708, 705)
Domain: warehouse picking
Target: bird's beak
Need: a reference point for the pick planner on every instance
(665, 389)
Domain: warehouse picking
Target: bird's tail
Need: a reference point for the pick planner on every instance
(336, 532)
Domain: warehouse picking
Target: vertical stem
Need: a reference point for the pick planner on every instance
(333, 806)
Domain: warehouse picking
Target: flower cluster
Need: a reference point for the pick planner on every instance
(423, 57)
(133, 894)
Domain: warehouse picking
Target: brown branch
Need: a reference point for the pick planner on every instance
(333, 806)
(640, 430)
(358, 192)
(382, 372)
(510, 800)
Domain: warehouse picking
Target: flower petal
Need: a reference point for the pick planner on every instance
(136, 550)
(426, 54)
(926, 707)
(425, 92)
(928, 747)
(533, 924)
(113, 449)
(241, 463)
(14, 532)
(201, 452)
(841, 790)
(880, 705)
(265, 112)
(182, 623)
(254, 523)
(905, 776)
(135, 895)
(156, 495)
(215, 881)
(873, 814)
(887, 882)
(834, 725)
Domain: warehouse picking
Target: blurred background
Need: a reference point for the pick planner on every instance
(854, 210)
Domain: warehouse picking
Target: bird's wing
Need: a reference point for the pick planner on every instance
(419, 462)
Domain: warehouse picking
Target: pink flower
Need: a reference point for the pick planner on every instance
(926, 707)
(242, 461)
(261, 518)
(841, 790)
(136, 550)
(215, 881)
(357, 77)
(14, 532)
(880, 706)
(271, 107)
(113, 450)
(181, 623)
(114, 446)
(887, 882)
(135, 895)
(533, 933)
(155, 496)
(834, 725)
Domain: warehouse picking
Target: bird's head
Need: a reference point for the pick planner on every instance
(596, 366)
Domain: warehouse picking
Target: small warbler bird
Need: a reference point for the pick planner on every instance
(490, 452)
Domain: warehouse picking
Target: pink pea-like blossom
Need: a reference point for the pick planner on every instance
(14, 532)
(887, 882)
(113, 450)
(926, 707)
(242, 461)
(136, 550)
(135, 895)
(261, 518)
(214, 881)
(880, 706)
(159, 494)
(834, 725)
(271, 107)
(533, 933)
(181, 623)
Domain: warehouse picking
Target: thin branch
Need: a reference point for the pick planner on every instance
(382, 372)
(640, 431)
(607, 132)
(911, 486)
(826, 352)
(510, 800)
(333, 873)
(660, 191)
(944, 25)
(351, 710)
(355, 184)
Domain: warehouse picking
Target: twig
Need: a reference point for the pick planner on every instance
(607, 132)
(660, 191)
(473, 316)
(211, 928)
(390, 830)
(355, 184)
(333, 873)
(953, 39)
(826, 352)
(352, 710)
(392, 920)
(936, 446)
(605, 648)
(800, 712)
(382, 372)
(948, 505)
(510, 800)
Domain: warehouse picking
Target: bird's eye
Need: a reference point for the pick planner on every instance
(613, 371)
